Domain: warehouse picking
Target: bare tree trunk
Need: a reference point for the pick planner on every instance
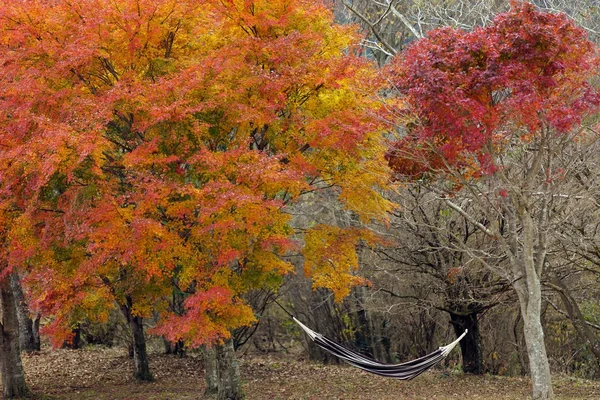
(211, 374)
(519, 346)
(28, 339)
(228, 371)
(141, 366)
(583, 330)
(13, 375)
(536, 350)
(368, 337)
(528, 286)
(470, 346)
(529, 292)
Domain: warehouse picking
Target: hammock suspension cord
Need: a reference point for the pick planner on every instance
(404, 371)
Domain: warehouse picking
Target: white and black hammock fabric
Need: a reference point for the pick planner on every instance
(404, 371)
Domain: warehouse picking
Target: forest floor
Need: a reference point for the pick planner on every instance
(103, 374)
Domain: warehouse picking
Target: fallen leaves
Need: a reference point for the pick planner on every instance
(103, 374)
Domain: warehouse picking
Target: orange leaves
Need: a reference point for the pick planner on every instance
(331, 257)
(167, 138)
(209, 317)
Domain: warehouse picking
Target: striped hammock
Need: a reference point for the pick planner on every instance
(404, 371)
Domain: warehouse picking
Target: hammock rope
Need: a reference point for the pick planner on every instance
(404, 371)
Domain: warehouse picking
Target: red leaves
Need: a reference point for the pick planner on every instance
(528, 69)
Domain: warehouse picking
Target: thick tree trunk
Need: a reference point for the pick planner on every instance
(141, 366)
(470, 345)
(29, 339)
(538, 360)
(211, 373)
(228, 372)
(531, 306)
(13, 375)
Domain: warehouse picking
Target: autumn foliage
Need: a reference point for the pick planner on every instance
(152, 143)
(471, 93)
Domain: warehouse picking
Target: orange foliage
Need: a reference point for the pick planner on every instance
(157, 142)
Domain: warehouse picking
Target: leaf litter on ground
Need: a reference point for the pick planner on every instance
(98, 373)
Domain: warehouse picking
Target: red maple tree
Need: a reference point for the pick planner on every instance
(491, 110)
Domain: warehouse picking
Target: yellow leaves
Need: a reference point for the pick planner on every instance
(200, 120)
(96, 305)
(327, 101)
(331, 257)
(269, 262)
(362, 191)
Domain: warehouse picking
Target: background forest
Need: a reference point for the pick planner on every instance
(176, 175)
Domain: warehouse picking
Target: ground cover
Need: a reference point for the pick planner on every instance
(103, 374)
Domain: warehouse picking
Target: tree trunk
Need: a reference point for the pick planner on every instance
(13, 375)
(141, 366)
(538, 360)
(37, 342)
(368, 337)
(174, 348)
(178, 307)
(584, 331)
(529, 268)
(75, 342)
(517, 330)
(28, 337)
(539, 368)
(228, 372)
(470, 345)
(211, 374)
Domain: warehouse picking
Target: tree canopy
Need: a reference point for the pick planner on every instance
(155, 143)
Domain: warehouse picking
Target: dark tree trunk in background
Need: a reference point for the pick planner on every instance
(29, 336)
(11, 368)
(177, 306)
(174, 348)
(574, 313)
(470, 345)
(319, 315)
(141, 366)
(211, 373)
(75, 342)
(228, 371)
(37, 342)
(369, 337)
(519, 345)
